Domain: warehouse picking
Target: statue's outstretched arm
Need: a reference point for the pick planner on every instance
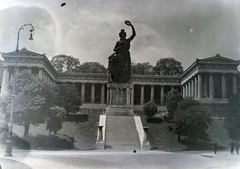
(133, 30)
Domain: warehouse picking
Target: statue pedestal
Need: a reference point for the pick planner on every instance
(120, 96)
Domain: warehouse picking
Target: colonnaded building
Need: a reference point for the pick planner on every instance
(209, 80)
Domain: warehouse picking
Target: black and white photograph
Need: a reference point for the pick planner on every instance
(110, 84)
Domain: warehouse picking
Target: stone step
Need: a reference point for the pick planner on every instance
(121, 133)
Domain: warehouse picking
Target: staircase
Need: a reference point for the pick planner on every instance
(121, 133)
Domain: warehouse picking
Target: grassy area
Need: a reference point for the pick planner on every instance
(168, 140)
(217, 133)
(84, 133)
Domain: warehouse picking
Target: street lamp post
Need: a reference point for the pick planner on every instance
(8, 152)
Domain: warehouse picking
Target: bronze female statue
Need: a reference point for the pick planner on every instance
(120, 62)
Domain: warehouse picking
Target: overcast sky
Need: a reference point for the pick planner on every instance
(88, 29)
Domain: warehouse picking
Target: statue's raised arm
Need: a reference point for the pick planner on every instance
(128, 23)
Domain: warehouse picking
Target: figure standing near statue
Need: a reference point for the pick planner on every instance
(119, 64)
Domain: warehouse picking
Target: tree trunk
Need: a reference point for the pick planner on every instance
(179, 137)
(26, 128)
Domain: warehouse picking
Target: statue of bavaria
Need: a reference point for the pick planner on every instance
(119, 64)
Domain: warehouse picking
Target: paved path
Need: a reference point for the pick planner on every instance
(123, 160)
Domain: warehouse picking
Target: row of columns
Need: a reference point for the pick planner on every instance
(129, 100)
(196, 87)
(152, 94)
(93, 93)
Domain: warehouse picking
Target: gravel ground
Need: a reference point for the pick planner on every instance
(12, 164)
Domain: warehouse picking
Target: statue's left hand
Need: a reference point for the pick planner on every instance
(128, 23)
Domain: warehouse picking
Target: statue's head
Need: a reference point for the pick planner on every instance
(122, 34)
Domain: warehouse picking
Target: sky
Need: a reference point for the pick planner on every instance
(88, 29)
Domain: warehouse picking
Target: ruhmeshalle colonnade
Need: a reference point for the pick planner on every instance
(214, 78)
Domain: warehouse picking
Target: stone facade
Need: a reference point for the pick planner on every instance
(214, 78)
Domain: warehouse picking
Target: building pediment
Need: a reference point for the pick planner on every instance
(23, 53)
(218, 59)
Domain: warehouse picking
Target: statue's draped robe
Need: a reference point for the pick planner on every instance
(120, 63)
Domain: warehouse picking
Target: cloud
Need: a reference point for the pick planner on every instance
(13, 18)
(88, 30)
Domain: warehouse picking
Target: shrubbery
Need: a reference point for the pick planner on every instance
(150, 109)
(44, 142)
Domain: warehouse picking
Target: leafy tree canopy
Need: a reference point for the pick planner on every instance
(172, 100)
(232, 118)
(192, 120)
(65, 63)
(144, 68)
(150, 109)
(30, 101)
(91, 67)
(168, 66)
(68, 97)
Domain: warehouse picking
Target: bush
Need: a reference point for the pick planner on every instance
(200, 145)
(150, 109)
(154, 120)
(54, 124)
(45, 142)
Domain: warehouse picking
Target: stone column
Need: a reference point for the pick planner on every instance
(128, 101)
(108, 96)
(189, 88)
(183, 91)
(132, 98)
(83, 92)
(103, 94)
(224, 89)
(40, 73)
(235, 84)
(192, 88)
(142, 94)
(152, 93)
(5, 78)
(196, 86)
(186, 89)
(199, 85)
(205, 86)
(162, 95)
(211, 86)
(93, 93)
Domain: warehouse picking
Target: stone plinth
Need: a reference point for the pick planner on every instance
(120, 99)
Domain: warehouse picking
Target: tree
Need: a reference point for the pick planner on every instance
(150, 109)
(29, 101)
(232, 118)
(191, 120)
(68, 97)
(168, 66)
(64, 63)
(54, 123)
(91, 67)
(172, 100)
(5, 106)
(144, 68)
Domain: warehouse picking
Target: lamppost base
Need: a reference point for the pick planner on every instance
(8, 151)
(8, 155)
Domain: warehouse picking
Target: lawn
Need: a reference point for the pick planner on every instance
(84, 133)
